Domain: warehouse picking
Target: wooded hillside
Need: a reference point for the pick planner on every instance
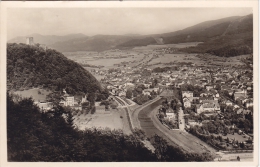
(32, 66)
(33, 136)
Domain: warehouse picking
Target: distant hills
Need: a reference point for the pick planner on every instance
(31, 66)
(48, 39)
(232, 38)
(222, 37)
(95, 43)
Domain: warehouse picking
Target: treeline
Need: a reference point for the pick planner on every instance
(164, 69)
(138, 96)
(31, 66)
(226, 46)
(137, 42)
(35, 136)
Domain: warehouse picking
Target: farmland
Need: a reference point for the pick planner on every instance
(114, 120)
(151, 56)
(179, 45)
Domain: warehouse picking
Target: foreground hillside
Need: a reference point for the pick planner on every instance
(33, 136)
(31, 66)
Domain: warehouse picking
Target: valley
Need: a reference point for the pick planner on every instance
(150, 56)
(185, 95)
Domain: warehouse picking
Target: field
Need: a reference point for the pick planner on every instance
(106, 59)
(179, 45)
(147, 55)
(36, 93)
(115, 119)
(167, 58)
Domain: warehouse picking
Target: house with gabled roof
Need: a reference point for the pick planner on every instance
(170, 114)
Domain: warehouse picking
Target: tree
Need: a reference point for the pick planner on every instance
(218, 87)
(100, 97)
(93, 109)
(113, 105)
(160, 146)
(155, 82)
(55, 98)
(242, 145)
(85, 105)
(129, 93)
(70, 119)
(161, 115)
(225, 130)
(91, 98)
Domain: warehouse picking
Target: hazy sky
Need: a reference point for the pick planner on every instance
(89, 21)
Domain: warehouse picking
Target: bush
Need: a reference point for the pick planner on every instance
(93, 110)
(113, 105)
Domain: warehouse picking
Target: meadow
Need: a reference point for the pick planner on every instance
(107, 59)
(148, 55)
(36, 93)
(179, 45)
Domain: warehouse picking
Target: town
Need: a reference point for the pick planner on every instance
(172, 94)
(212, 103)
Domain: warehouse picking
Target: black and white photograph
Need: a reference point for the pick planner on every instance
(131, 84)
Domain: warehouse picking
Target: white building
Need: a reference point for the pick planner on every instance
(187, 94)
(68, 100)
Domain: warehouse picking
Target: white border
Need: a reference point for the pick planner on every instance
(125, 4)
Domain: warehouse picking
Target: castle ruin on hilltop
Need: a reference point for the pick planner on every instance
(29, 41)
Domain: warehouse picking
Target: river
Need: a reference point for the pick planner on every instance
(151, 126)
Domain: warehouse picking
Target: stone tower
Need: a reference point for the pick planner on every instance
(29, 40)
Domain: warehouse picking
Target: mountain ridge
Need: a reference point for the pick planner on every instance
(208, 32)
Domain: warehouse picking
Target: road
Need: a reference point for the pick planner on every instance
(134, 114)
(151, 125)
(181, 120)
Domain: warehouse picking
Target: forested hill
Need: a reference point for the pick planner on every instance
(32, 66)
(235, 39)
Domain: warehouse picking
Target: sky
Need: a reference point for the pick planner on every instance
(110, 21)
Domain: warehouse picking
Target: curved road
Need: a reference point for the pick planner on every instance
(151, 125)
(134, 113)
